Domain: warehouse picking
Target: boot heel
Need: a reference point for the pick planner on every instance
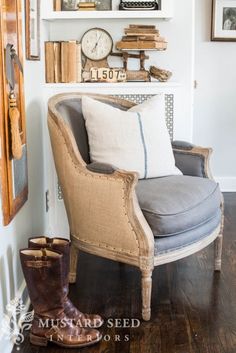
(38, 341)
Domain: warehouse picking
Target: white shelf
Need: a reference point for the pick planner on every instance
(152, 84)
(83, 15)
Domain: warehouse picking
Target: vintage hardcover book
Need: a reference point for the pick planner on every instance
(87, 4)
(143, 26)
(57, 5)
(71, 62)
(78, 63)
(68, 62)
(57, 62)
(49, 62)
(140, 45)
(64, 62)
(140, 31)
(143, 38)
(87, 9)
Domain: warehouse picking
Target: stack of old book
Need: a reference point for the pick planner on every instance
(142, 37)
(63, 62)
(87, 6)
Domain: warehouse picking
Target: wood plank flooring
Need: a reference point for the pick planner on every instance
(193, 308)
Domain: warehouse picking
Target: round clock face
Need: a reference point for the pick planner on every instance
(96, 44)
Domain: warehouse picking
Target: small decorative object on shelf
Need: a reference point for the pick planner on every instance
(87, 6)
(139, 38)
(142, 37)
(160, 74)
(135, 75)
(136, 5)
(96, 46)
(69, 5)
(104, 5)
(104, 74)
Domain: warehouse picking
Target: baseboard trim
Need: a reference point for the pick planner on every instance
(227, 184)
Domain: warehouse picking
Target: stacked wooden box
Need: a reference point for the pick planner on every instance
(142, 37)
(63, 62)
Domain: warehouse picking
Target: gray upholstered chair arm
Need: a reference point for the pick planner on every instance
(182, 145)
(103, 168)
(192, 160)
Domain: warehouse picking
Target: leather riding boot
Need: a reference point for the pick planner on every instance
(44, 278)
(63, 245)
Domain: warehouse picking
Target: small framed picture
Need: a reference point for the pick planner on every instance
(32, 29)
(224, 20)
(104, 5)
(69, 5)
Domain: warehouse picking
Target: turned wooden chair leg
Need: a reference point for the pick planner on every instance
(146, 294)
(219, 241)
(218, 252)
(73, 263)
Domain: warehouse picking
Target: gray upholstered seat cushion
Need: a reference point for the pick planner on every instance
(165, 245)
(177, 204)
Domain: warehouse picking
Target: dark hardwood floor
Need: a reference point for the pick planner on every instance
(193, 308)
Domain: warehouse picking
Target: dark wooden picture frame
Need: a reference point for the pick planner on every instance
(13, 172)
(223, 24)
(32, 29)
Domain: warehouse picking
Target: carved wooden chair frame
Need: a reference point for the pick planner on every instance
(135, 243)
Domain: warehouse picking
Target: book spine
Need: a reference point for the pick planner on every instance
(143, 38)
(144, 31)
(87, 9)
(64, 62)
(139, 45)
(72, 62)
(143, 26)
(49, 62)
(57, 61)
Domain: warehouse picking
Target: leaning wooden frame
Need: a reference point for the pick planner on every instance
(95, 232)
(32, 29)
(13, 145)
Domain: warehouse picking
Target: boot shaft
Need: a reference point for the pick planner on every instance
(58, 244)
(43, 275)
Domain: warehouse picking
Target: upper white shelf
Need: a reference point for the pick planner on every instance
(83, 15)
(148, 85)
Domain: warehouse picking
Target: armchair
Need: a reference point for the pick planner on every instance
(112, 214)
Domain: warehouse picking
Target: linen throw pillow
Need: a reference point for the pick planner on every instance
(134, 140)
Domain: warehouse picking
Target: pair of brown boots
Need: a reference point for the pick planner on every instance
(45, 266)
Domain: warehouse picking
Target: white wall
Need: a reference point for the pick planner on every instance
(30, 219)
(215, 97)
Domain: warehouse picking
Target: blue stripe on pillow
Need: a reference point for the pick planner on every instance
(144, 145)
